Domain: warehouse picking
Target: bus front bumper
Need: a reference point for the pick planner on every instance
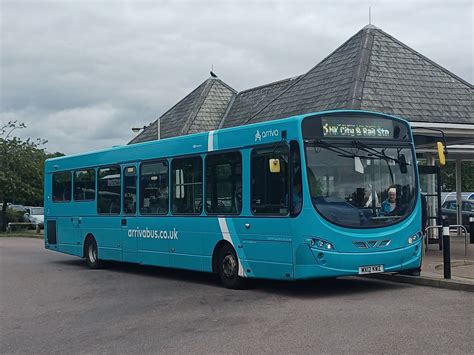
(324, 263)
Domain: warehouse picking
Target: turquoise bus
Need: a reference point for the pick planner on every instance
(324, 194)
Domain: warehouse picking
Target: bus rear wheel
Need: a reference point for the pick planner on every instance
(229, 268)
(91, 254)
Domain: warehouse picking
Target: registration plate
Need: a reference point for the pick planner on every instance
(370, 269)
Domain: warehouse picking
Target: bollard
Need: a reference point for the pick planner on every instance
(446, 250)
(471, 229)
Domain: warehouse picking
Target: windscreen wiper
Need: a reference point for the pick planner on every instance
(334, 148)
(376, 153)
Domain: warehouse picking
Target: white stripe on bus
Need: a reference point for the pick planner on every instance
(210, 141)
(226, 235)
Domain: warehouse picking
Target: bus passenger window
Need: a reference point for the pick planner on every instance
(108, 198)
(269, 190)
(129, 190)
(62, 187)
(84, 185)
(187, 185)
(154, 188)
(224, 183)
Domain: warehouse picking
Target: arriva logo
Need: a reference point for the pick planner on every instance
(266, 134)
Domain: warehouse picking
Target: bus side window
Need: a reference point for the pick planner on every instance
(296, 181)
(269, 190)
(62, 187)
(187, 185)
(154, 193)
(84, 185)
(129, 190)
(108, 198)
(224, 183)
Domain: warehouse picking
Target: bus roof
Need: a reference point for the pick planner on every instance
(197, 143)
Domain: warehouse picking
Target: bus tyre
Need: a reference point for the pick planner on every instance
(91, 254)
(412, 272)
(229, 268)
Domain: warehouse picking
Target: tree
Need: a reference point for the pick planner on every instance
(21, 169)
(448, 176)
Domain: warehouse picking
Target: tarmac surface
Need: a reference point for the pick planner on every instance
(51, 303)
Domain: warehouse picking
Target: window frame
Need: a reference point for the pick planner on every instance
(261, 147)
(139, 191)
(172, 186)
(223, 152)
(98, 190)
(292, 176)
(122, 198)
(74, 184)
(52, 186)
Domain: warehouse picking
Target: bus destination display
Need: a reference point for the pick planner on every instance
(362, 129)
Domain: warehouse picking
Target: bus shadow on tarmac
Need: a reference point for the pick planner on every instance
(300, 288)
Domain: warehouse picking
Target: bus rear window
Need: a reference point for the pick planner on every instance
(108, 199)
(84, 185)
(62, 187)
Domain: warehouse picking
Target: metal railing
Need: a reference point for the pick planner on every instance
(440, 228)
(464, 229)
(22, 224)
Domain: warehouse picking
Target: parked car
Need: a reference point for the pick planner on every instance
(34, 215)
(17, 208)
(449, 209)
(449, 196)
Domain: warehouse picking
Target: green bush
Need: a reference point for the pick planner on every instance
(14, 216)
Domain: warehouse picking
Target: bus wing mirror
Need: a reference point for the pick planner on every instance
(441, 154)
(274, 165)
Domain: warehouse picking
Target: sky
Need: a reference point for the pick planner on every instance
(81, 74)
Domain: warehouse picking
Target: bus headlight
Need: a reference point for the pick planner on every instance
(321, 244)
(414, 238)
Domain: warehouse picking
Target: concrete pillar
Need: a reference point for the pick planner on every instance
(458, 193)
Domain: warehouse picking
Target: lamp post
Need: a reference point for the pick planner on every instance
(138, 129)
(158, 128)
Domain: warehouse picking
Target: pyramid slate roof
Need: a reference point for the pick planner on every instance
(370, 71)
(200, 111)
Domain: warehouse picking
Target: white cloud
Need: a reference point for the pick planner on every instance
(81, 74)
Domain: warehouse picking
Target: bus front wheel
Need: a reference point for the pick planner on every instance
(91, 253)
(229, 268)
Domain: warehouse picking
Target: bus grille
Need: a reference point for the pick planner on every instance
(372, 244)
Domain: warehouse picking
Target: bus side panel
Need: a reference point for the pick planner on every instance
(267, 246)
(269, 259)
(107, 233)
(151, 249)
(67, 236)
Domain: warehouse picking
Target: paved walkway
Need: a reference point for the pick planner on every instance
(432, 273)
(462, 266)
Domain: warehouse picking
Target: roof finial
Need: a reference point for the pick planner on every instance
(370, 17)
